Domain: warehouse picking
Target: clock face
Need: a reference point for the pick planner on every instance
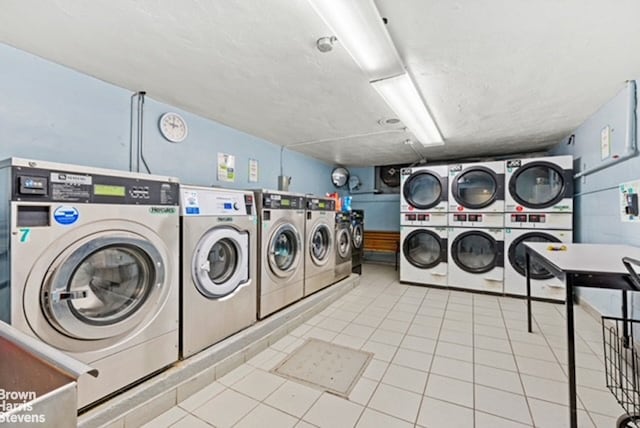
(173, 127)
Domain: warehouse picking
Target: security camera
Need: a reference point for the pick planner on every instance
(325, 44)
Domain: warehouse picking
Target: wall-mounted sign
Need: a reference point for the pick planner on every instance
(253, 170)
(226, 167)
(605, 142)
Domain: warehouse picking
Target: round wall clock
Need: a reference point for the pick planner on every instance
(173, 127)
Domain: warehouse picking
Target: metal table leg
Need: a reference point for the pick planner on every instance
(571, 355)
(527, 272)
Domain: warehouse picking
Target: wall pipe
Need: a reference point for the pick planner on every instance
(631, 143)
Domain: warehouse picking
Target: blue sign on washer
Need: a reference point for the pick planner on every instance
(193, 210)
(65, 215)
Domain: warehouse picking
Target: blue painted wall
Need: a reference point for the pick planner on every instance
(382, 212)
(49, 112)
(597, 217)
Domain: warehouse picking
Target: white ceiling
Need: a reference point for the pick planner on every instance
(500, 76)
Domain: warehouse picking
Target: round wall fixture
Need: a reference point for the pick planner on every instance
(173, 127)
(339, 176)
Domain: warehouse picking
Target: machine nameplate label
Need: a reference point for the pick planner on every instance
(74, 179)
(66, 215)
(514, 163)
(162, 210)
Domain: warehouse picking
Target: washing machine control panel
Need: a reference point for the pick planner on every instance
(423, 219)
(277, 201)
(44, 185)
(211, 202)
(321, 204)
(539, 220)
(476, 219)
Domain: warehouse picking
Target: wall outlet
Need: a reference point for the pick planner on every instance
(629, 194)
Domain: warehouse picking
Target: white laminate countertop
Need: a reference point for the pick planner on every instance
(587, 258)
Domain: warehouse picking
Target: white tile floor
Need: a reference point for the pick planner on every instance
(442, 359)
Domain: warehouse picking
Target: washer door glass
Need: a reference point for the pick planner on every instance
(475, 188)
(537, 185)
(284, 250)
(220, 262)
(357, 236)
(423, 249)
(422, 190)
(517, 259)
(475, 252)
(320, 245)
(344, 242)
(102, 284)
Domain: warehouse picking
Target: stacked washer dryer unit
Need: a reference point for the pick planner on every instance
(343, 246)
(476, 226)
(539, 205)
(319, 259)
(281, 254)
(423, 225)
(93, 261)
(219, 283)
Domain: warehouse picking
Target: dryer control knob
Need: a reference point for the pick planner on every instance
(235, 206)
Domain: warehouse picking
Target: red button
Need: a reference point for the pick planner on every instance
(411, 208)
(519, 208)
(460, 208)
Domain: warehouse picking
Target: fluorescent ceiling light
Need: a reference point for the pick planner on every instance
(359, 28)
(403, 98)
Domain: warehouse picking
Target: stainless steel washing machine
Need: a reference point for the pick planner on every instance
(219, 247)
(424, 189)
(281, 242)
(343, 246)
(539, 184)
(319, 259)
(424, 248)
(476, 187)
(93, 258)
(476, 251)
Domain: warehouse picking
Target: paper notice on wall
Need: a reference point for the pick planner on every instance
(226, 167)
(253, 170)
(605, 142)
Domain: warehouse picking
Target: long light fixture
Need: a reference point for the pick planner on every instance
(403, 98)
(359, 28)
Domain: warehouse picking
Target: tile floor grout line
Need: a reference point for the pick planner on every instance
(515, 360)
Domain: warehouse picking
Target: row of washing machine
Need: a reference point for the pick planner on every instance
(130, 272)
(464, 225)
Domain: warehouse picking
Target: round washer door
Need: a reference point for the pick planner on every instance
(99, 287)
(321, 243)
(538, 185)
(475, 187)
(220, 263)
(344, 242)
(423, 190)
(424, 249)
(284, 250)
(517, 258)
(357, 236)
(475, 251)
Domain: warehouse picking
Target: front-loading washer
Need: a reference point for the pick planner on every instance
(424, 189)
(343, 246)
(539, 184)
(319, 259)
(477, 187)
(543, 283)
(357, 240)
(281, 243)
(424, 248)
(218, 281)
(93, 261)
(476, 252)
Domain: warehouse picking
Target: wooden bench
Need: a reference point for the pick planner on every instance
(382, 242)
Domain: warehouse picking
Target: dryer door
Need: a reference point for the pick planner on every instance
(423, 190)
(99, 287)
(476, 187)
(284, 250)
(321, 244)
(539, 185)
(344, 242)
(220, 263)
(424, 249)
(516, 254)
(476, 251)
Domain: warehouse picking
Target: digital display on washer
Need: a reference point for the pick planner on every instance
(321, 204)
(109, 190)
(285, 202)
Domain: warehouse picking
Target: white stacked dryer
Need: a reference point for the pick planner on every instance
(423, 225)
(476, 187)
(93, 261)
(219, 281)
(281, 255)
(539, 206)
